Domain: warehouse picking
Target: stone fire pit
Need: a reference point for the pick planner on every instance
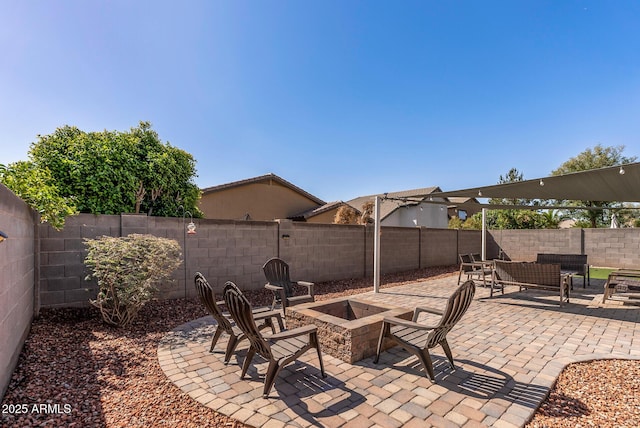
(348, 328)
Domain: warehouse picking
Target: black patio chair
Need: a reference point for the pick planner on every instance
(207, 297)
(276, 271)
(418, 338)
(279, 349)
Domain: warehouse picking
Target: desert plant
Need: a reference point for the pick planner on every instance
(346, 215)
(127, 270)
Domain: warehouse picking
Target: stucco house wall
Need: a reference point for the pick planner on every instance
(261, 199)
(426, 215)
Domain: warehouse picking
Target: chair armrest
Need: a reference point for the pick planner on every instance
(470, 264)
(307, 284)
(223, 304)
(268, 315)
(419, 310)
(288, 334)
(273, 288)
(278, 294)
(406, 323)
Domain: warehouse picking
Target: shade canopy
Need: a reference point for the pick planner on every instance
(618, 183)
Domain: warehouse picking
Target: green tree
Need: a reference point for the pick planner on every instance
(35, 186)
(111, 172)
(551, 218)
(598, 157)
(513, 219)
(455, 223)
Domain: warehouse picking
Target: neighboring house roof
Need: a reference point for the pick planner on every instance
(319, 210)
(393, 200)
(462, 200)
(259, 179)
(566, 224)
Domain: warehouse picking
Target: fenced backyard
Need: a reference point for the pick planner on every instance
(43, 268)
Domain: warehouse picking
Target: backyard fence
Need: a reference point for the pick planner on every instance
(226, 250)
(40, 266)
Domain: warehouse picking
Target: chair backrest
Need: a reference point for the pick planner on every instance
(276, 271)
(465, 260)
(528, 272)
(207, 297)
(457, 305)
(476, 257)
(240, 310)
(573, 262)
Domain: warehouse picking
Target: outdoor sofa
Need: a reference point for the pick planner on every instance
(542, 276)
(575, 264)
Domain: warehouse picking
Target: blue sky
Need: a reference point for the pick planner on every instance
(342, 98)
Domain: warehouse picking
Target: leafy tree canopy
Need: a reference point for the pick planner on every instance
(593, 158)
(513, 219)
(35, 187)
(111, 172)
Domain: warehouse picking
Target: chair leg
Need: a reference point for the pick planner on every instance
(447, 351)
(270, 377)
(459, 275)
(383, 332)
(425, 359)
(247, 361)
(231, 347)
(313, 338)
(268, 324)
(216, 336)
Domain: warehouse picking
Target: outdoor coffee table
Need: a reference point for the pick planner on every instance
(623, 280)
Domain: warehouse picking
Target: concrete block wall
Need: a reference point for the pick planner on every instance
(221, 250)
(225, 250)
(18, 274)
(469, 241)
(399, 249)
(236, 250)
(62, 270)
(322, 252)
(439, 247)
(613, 247)
(619, 248)
(526, 244)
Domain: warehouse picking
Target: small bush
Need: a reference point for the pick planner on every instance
(127, 270)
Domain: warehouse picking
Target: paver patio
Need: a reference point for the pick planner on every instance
(508, 351)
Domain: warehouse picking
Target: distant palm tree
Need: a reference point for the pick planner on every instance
(552, 218)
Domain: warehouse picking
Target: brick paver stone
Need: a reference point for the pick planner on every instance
(508, 350)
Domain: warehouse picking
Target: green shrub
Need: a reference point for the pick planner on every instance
(127, 270)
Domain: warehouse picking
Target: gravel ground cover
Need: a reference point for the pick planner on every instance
(76, 371)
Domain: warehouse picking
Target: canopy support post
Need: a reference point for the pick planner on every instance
(484, 234)
(376, 246)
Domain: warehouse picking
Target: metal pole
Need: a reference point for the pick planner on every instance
(184, 239)
(376, 246)
(484, 234)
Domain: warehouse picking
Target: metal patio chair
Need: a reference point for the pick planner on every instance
(472, 268)
(418, 338)
(278, 349)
